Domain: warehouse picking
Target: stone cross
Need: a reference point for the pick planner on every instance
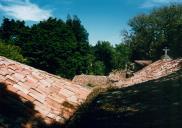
(166, 50)
(166, 57)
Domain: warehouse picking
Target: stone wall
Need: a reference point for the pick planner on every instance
(90, 80)
(53, 97)
(117, 76)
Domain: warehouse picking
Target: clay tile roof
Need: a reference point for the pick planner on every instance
(153, 71)
(52, 96)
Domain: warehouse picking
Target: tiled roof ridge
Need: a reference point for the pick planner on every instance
(153, 71)
(2, 57)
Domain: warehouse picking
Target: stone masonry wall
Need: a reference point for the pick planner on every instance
(53, 97)
(117, 76)
(90, 79)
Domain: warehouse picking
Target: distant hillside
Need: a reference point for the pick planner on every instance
(153, 104)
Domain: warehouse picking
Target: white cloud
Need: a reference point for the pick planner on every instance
(155, 3)
(24, 10)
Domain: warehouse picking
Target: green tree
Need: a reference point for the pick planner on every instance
(121, 56)
(98, 68)
(52, 47)
(14, 32)
(83, 50)
(104, 52)
(6, 29)
(152, 32)
(11, 52)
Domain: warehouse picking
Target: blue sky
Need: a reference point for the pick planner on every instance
(103, 19)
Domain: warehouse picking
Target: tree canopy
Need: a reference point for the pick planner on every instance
(12, 52)
(150, 33)
(52, 45)
(62, 47)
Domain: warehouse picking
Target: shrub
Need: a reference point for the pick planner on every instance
(11, 52)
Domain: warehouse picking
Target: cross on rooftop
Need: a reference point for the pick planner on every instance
(166, 50)
(166, 57)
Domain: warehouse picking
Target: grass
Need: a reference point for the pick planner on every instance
(154, 104)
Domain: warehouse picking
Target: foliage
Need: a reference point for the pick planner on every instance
(52, 48)
(122, 56)
(98, 68)
(15, 32)
(152, 32)
(62, 47)
(111, 57)
(104, 52)
(11, 52)
(83, 50)
(52, 45)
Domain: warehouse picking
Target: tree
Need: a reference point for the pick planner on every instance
(98, 68)
(6, 29)
(152, 32)
(121, 56)
(11, 52)
(52, 48)
(52, 45)
(83, 50)
(14, 32)
(104, 52)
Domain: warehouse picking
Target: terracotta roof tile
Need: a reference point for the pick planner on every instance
(24, 90)
(37, 95)
(54, 97)
(29, 98)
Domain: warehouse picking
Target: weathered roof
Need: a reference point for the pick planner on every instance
(153, 71)
(53, 97)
